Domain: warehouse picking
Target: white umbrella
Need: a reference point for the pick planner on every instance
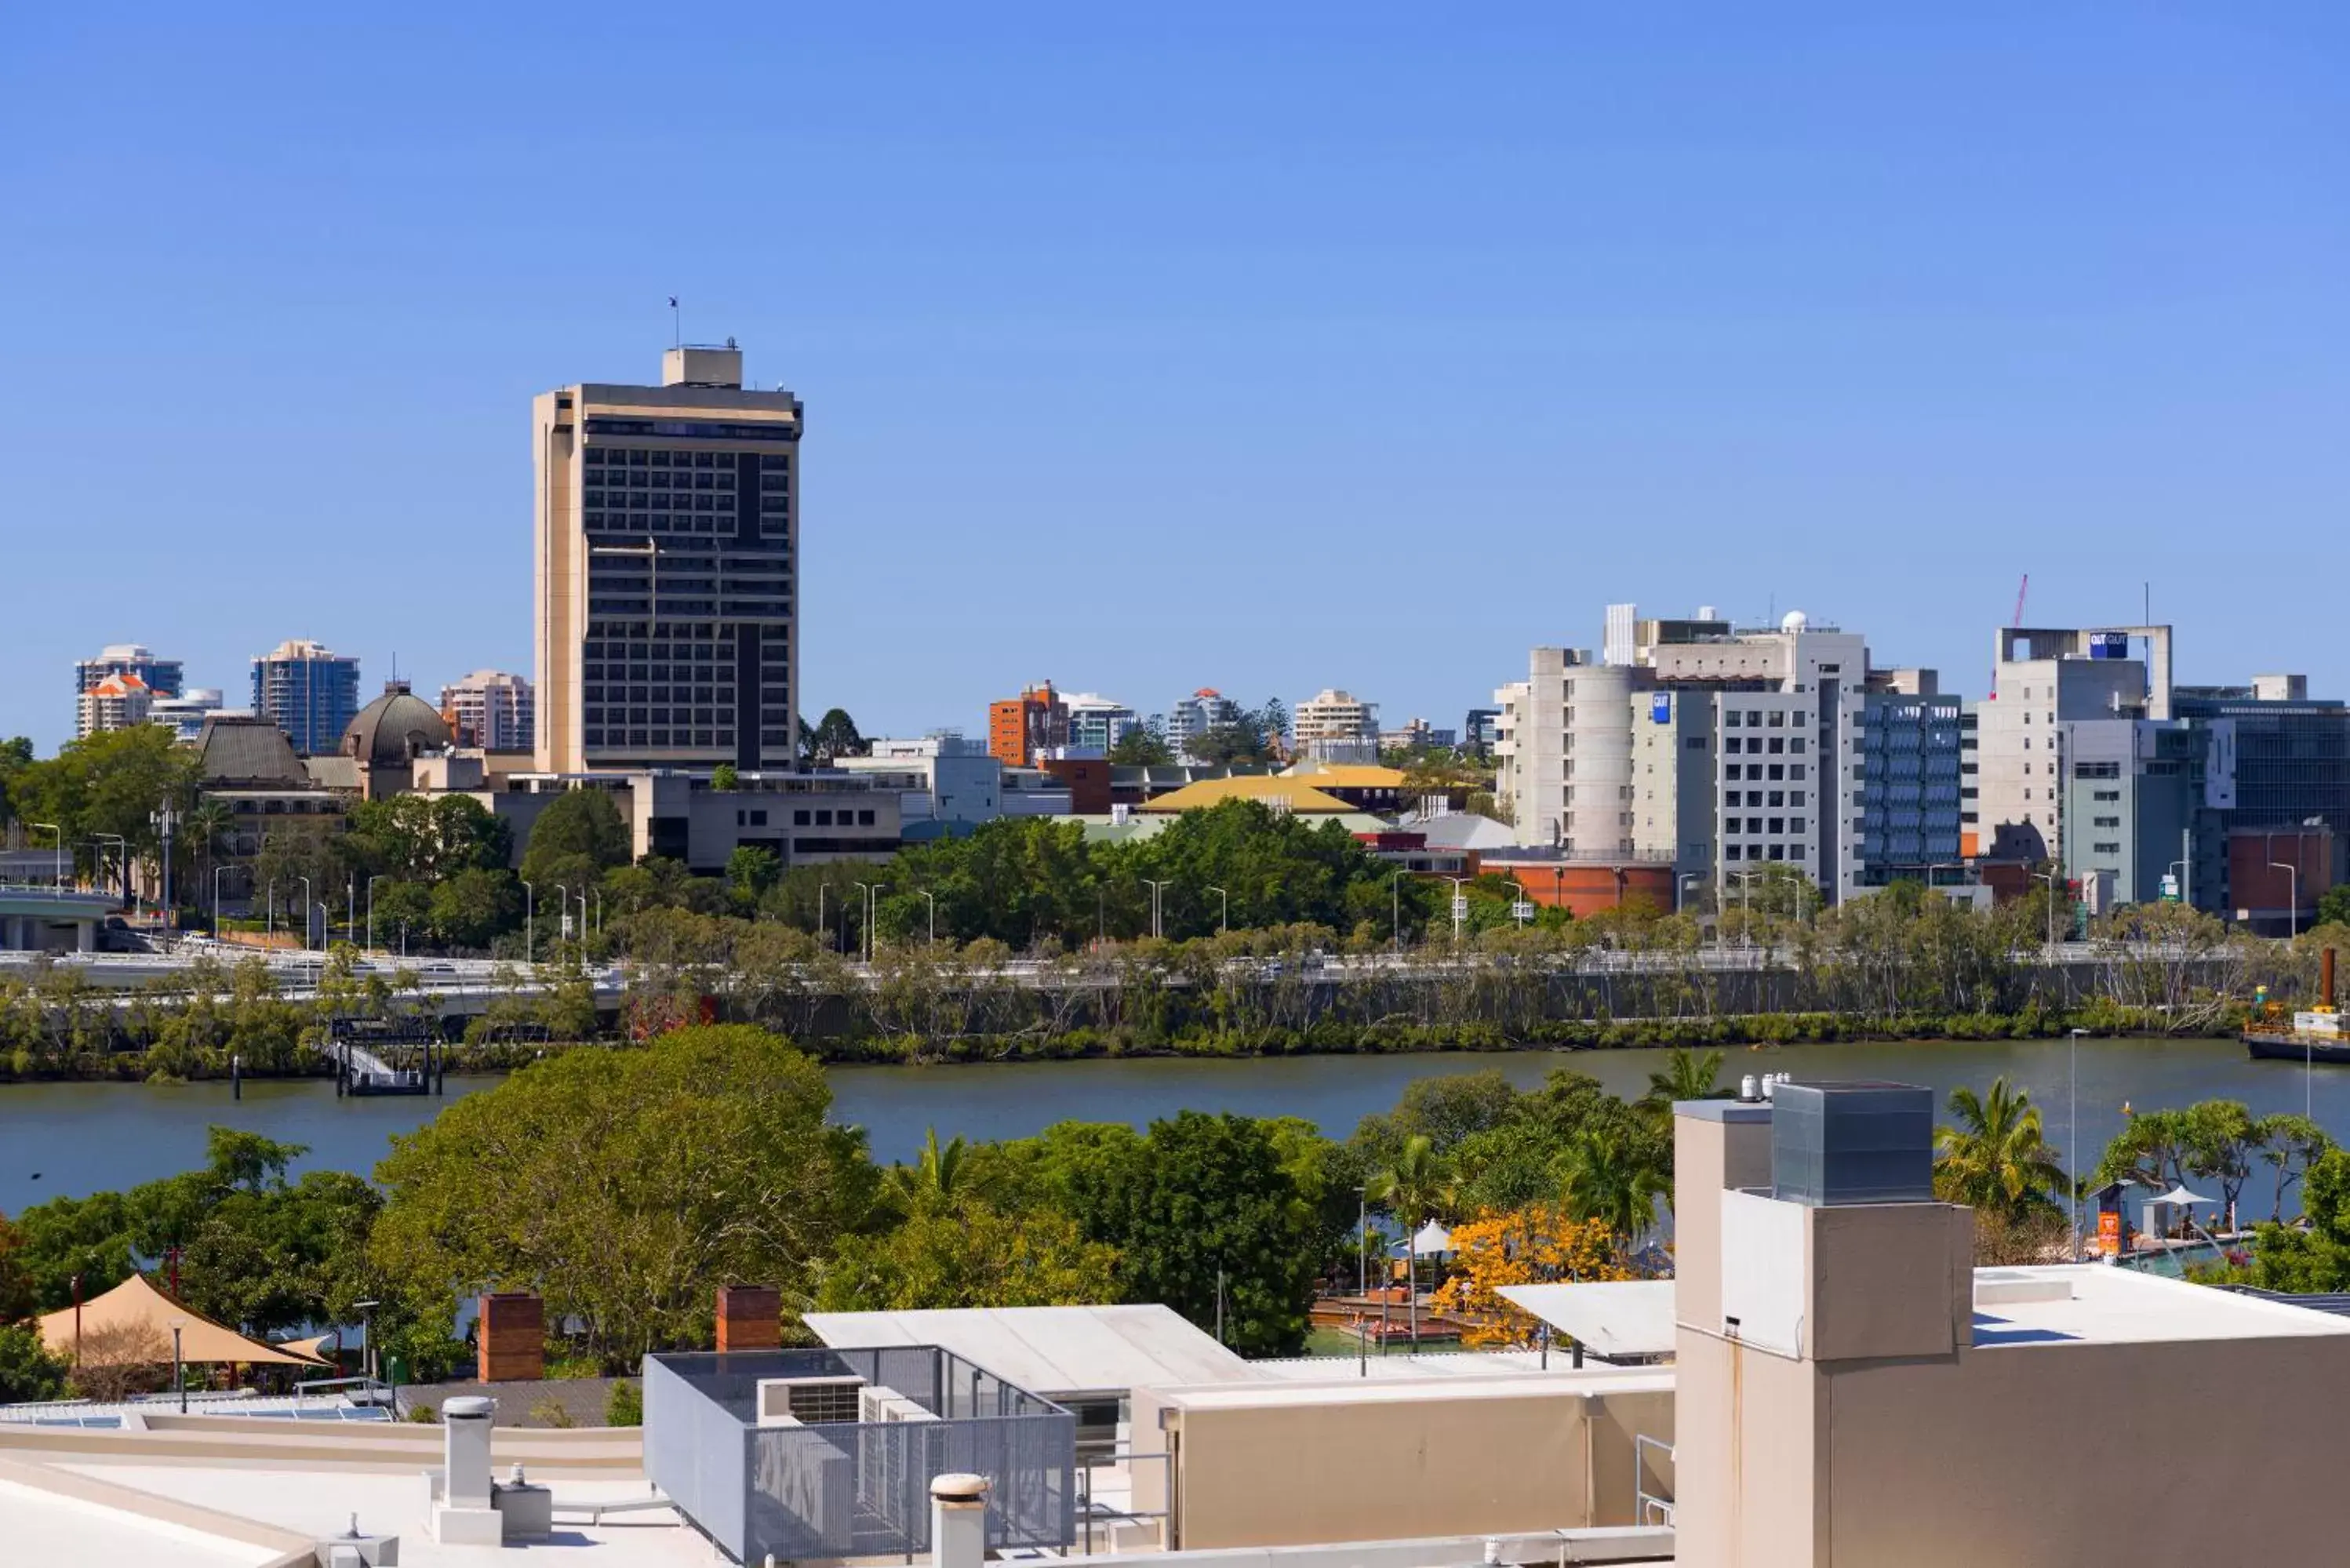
(1432, 1241)
(2181, 1196)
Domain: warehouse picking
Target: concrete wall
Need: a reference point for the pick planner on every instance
(1545, 1456)
(2027, 1456)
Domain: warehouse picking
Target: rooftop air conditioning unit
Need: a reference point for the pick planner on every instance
(810, 1401)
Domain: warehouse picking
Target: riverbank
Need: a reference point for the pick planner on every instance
(177, 1063)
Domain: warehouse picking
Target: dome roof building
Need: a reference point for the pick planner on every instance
(382, 741)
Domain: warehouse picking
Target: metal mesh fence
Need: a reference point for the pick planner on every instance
(855, 1488)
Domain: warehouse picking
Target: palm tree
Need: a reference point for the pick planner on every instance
(1997, 1158)
(935, 1180)
(1686, 1075)
(1417, 1188)
(1605, 1175)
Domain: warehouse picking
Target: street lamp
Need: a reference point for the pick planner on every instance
(122, 858)
(216, 898)
(1224, 919)
(529, 922)
(933, 901)
(1157, 891)
(1395, 910)
(60, 832)
(870, 890)
(366, 1339)
(306, 911)
(2293, 892)
(178, 1374)
(166, 821)
(2049, 956)
(1459, 903)
(2072, 1154)
(565, 907)
(378, 876)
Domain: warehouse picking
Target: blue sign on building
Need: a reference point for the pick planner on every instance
(2109, 644)
(1661, 707)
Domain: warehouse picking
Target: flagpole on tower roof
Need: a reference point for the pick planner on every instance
(676, 330)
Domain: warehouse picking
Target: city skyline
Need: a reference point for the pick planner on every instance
(1788, 304)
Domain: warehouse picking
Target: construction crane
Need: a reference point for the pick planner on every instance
(2022, 589)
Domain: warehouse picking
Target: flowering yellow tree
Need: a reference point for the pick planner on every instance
(1519, 1247)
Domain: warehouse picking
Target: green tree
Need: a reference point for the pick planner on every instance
(2289, 1146)
(834, 735)
(27, 1371)
(16, 756)
(2333, 906)
(1207, 1197)
(626, 1185)
(1996, 1159)
(968, 1254)
(1609, 1173)
(934, 1182)
(110, 783)
(1445, 1109)
(1686, 1075)
(470, 908)
(1418, 1188)
(752, 870)
(580, 825)
(724, 777)
(1142, 748)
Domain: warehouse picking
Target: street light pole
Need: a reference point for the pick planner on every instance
(2293, 884)
(1459, 905)
(529, 923)
(307, 901)
(870, 890)
(179, 1371)
(1223, 920)
(2308, 1052)
(216, 898)
(371, 882)
(2072, 1154)
(1158, 920)
(60, 860)
(931, 901)
(1395, 910)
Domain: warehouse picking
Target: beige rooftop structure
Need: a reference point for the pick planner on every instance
(1851, 1389)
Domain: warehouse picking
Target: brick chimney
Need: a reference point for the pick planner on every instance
(513, 1338)
(750, 1317)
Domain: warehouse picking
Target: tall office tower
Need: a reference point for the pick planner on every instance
(493, 709)
(2044, 681)
(667, 605)
(160, 676)
(310, 692)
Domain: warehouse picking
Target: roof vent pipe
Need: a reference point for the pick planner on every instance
(958, 1520)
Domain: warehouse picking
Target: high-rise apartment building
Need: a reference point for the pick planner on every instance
(1206, 709)
(492, 709)
(1910, 802)
(667, 606)
(160, 677)
(1023, 728)
(1334, 715)
(116, 702)
(185, 714)
(1097, 722)
(310, 692)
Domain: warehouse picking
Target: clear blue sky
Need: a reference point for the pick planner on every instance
(1265, 348)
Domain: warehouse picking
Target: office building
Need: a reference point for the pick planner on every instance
(307, 690)
(956, 784)
(1023, 728)
(185, 714)
(113, 703)
(2134, 799)
(1334, 715)
(160, 678)
(493, 709)
(1206, 709)
(2043, 679)
(1909, 795)
(1097, 724)
(1419, 735)
(1477, 731)
(667, 598)
(2289, 752)
(1718, 751)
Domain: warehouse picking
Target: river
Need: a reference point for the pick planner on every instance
(72, 1138)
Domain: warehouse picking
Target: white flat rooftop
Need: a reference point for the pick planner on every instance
(320, 1504)
(1415, 1390)
(1611, 1318)
(2100, 1304)
(43, 1530)
(1052, 1350)
(1429, 1364)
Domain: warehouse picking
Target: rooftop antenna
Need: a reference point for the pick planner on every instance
(676, 324)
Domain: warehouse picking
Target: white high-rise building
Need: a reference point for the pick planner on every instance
(2042, 681)
(113, 703)
(492, 709)
(1722, 751)
(1206, 709)
(1334, 715)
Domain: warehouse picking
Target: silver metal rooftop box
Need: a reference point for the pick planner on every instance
(1852, 1143)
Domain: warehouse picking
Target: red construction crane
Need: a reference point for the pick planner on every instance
(2022, 589)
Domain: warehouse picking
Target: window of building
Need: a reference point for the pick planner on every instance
(2105, 848)
(1778, 797)
(1794, 824)
(865, 819)
(1778, 825)
(1730, 851)
(1696, 743)
(799, 819)
(1778, 745)
(1795, 745)
(2105, 822)
(1777, 770)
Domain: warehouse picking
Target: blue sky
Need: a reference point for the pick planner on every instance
(1150, 348)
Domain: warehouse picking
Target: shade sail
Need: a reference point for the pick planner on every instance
(2181, 1196)
(1610, 1318)
(132, 1322)
(1432, 1240)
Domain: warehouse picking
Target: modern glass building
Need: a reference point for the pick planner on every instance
(310, 692)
